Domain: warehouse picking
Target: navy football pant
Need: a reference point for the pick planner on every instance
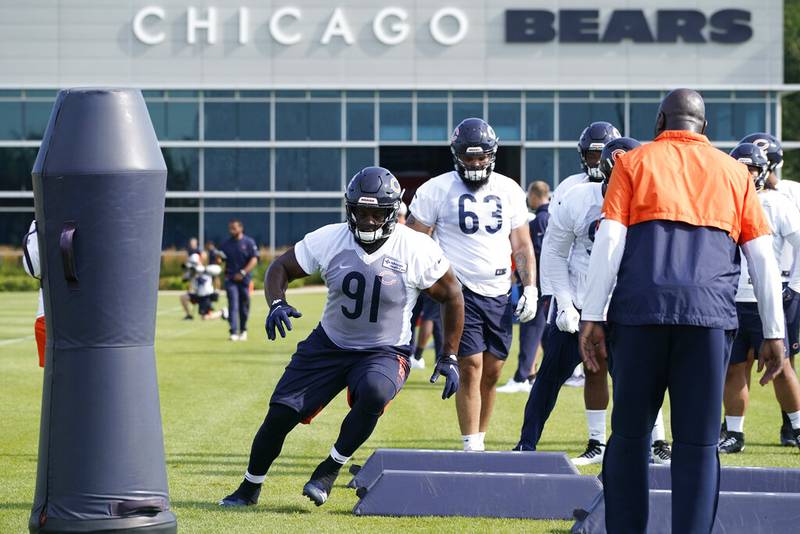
(561, 355)
(530, 335)
(369, 398)
(238, 304)
(646, 361)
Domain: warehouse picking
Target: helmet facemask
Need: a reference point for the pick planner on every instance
(370, 222)
(474, 166)
(590, 161)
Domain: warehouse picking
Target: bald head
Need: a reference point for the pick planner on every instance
(538, 194)
(682, 109)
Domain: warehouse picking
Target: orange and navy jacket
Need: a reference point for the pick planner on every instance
(687, 206)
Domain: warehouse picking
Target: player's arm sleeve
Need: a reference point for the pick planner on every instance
(519, 209)
(794, 276)
(424, 206)
(609, 244)
(766, 276)
(429, 265)
(309, 250)
(555, 253)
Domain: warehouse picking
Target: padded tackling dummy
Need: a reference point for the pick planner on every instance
(477, 462)
(99, 186)
(509, 495)
(751, 500)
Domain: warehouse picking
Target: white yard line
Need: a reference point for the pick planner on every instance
(15, 340)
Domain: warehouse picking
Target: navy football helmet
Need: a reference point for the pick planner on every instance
(593, 138)
(474, 149)
(769, 144)
(611, 151)
(372, 187)
(756, 160)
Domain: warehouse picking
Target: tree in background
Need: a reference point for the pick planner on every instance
(791, 74)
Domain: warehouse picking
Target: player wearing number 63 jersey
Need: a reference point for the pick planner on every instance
(374, 270)
(479, 218)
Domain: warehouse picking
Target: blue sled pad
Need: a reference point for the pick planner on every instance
(555, 463)
(747, 479)
(738, 513)
(508, 495)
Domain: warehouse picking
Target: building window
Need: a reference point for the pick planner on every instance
(174, 121)
(395, 120)
(505, 119)
(236, 169)
(569, 162)
(308, 169)
(728, 121)
(539, 121)
(643, 120)
(357, 159)
(575, 116)
(539, 163)
(246, 121)
(432, 121)
(178, 228)
(360, 121)
(466, 110)
(15, 168)
(256, 225)
(308, 121)
(183, 166)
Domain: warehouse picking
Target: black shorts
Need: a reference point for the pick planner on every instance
(750, 333)
(488, 325)
(319, 370)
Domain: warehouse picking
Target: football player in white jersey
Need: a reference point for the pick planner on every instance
(590, 144)
(784, 220)
(374, 270)
(565, 262)
(479, 218)
(791, 298)
(30, 257)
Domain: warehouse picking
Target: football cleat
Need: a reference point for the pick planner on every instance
(592, 455)
(661, 453)
(417, 363)
(243, 336)
(318, 489)
(787, 436)
(512, 386)
(245, 495)
(234, 337)
(733, 443)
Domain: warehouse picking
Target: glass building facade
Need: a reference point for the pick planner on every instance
(279, 160)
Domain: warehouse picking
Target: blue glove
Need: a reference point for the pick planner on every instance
(447, 366)
(279, 313)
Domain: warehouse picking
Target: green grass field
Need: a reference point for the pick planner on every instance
(214, 396)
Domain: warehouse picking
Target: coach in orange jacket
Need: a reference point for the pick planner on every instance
(676, 212)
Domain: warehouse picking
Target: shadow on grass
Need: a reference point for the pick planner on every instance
(213, 506)
(16, 505)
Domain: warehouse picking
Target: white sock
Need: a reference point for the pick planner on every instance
(482, 438)
(472, 442)
(255, 479)
(794, 418)
(597, 425)
(734, 424)
(338, 458)
(659, 434)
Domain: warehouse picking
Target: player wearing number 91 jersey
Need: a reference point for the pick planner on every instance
(479, 218)
(374, 270)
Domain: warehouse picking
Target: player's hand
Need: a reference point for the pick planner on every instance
(770, 358)
(238, 277)
(447, 366)
(568, 320)
(279, 317)
(592, 343)
(526, 307)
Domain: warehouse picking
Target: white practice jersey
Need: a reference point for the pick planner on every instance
(370, 296)
(792, 190)
(201, 285)
(32, 246)
(784, 220)
(568, 242)
(473, 227)
(555, 201)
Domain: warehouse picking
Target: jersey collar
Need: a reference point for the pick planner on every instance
(682, 135)
(370, 258)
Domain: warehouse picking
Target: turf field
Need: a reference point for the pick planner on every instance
(214, 396)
